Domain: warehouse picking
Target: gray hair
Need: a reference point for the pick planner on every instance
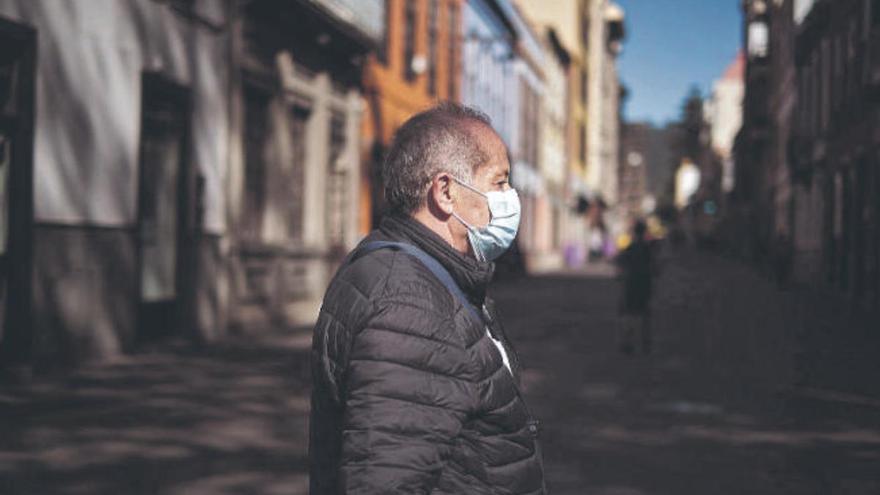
(440, 139)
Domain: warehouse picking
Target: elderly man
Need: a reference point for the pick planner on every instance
(415, 383)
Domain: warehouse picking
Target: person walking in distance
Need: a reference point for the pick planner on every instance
(636, 266)
(415, 383)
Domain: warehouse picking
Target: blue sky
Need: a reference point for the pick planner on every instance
(671, 45)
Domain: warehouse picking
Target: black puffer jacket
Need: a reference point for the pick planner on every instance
(410, 394)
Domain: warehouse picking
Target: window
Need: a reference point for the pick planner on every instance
(837, 73)
(433, 14)
(825, 71)
(758, 39)
(452, 72)
(533, 129)
(582, 139)
(9, 81)
(336, 181)
(801, 9)
(5, 189)
(817, 92)
(256, 117)
(299, 119)
(529, 124)
(409, 39)
(164, 125)
(585, 92)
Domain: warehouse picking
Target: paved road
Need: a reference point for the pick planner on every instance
(735, 399)
(749, 391)
(228, 420)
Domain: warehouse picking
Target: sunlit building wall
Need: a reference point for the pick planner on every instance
(124, 148)
(724, 115)
(552, 210)
(568, 20)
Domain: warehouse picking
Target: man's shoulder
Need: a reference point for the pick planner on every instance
(394, 273)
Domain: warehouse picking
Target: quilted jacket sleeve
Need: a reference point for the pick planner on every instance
(406, 397)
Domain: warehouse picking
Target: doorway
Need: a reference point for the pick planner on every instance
(17, 61)
(163, 199)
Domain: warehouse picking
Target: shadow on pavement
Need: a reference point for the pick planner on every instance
(231, 418)
(714, 410)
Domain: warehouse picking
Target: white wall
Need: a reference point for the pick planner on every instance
(88, 93)
(726, 114)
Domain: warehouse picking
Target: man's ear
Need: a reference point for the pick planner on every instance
(440, 194)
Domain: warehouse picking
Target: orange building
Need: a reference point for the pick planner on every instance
(417, 64)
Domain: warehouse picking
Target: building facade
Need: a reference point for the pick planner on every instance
(807, 157)
(418, 63)
(568, 21)
(529, 69)
(836, 145)
(606, 33)
(198, 167)
(724, 112)
(552, 209)
(750, 214)
(117, 241)
(488, 77)
(294, 181)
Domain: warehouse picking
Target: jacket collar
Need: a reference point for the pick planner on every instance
(472, 276)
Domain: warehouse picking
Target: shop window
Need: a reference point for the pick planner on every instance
(256, 144)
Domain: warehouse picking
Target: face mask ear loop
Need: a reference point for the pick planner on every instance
(472, 188)
(469, 226)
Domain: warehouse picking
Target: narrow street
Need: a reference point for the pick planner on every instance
(743, 393)
(749, 390)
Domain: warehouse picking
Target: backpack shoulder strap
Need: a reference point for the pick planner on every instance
(429, 262)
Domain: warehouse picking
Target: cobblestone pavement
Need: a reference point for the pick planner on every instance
(749, 391)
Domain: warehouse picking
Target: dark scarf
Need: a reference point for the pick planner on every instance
(472, 276)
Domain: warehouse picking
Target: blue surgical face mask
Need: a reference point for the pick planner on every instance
(494, 239)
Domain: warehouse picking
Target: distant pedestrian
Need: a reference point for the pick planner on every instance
(637, 267)
(415, 385)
